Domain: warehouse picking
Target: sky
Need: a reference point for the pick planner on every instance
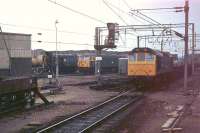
(38, 16)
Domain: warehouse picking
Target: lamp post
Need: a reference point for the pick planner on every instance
(57, 69)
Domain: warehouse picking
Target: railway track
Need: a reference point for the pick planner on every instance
(90, 119)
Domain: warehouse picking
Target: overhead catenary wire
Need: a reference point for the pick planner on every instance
(51, 42)
(108, 5)
(77, 12)
(137, 11)
(129, 7)
(123, 11)
(153, 20)
(118, 16)
(136, 15)
(126, 4)
(158, 9)
(149, 18)
(83, 14)
(105, 2)
(142, 15)
(73, 43)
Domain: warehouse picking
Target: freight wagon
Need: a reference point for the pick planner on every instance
(16, 92)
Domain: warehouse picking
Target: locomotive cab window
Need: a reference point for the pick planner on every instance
(86, 58)
(149, 57)
(140, 56)
(132, 57)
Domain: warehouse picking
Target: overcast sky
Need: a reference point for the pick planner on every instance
(38, 16)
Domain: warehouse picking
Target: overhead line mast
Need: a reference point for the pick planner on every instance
(186, 10)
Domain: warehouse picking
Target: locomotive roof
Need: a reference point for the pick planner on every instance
(152, 51)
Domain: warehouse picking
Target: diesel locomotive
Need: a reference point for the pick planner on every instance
(67, 63)
(46, 63)
(86, 64)
(153, 67)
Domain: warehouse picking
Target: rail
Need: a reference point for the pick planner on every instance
(90, 118)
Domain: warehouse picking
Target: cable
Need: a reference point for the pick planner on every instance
(135, 14)
(106, 3)
(73, 43)
(143, 15)
(77, 12)
(168, 8)
(123, 11)
(126, 4)
(44, 29)
(141, 18)
(149, 18)
(165, 28)
(114, 11)
(152, 18)
(116, 15)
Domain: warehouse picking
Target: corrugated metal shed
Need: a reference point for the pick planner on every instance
(4, 59)
(18, 55)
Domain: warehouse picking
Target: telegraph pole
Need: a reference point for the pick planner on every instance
(186, 10)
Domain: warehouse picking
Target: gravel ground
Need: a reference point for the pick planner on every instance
(149, 117)
(70, 80)
(72, 100)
